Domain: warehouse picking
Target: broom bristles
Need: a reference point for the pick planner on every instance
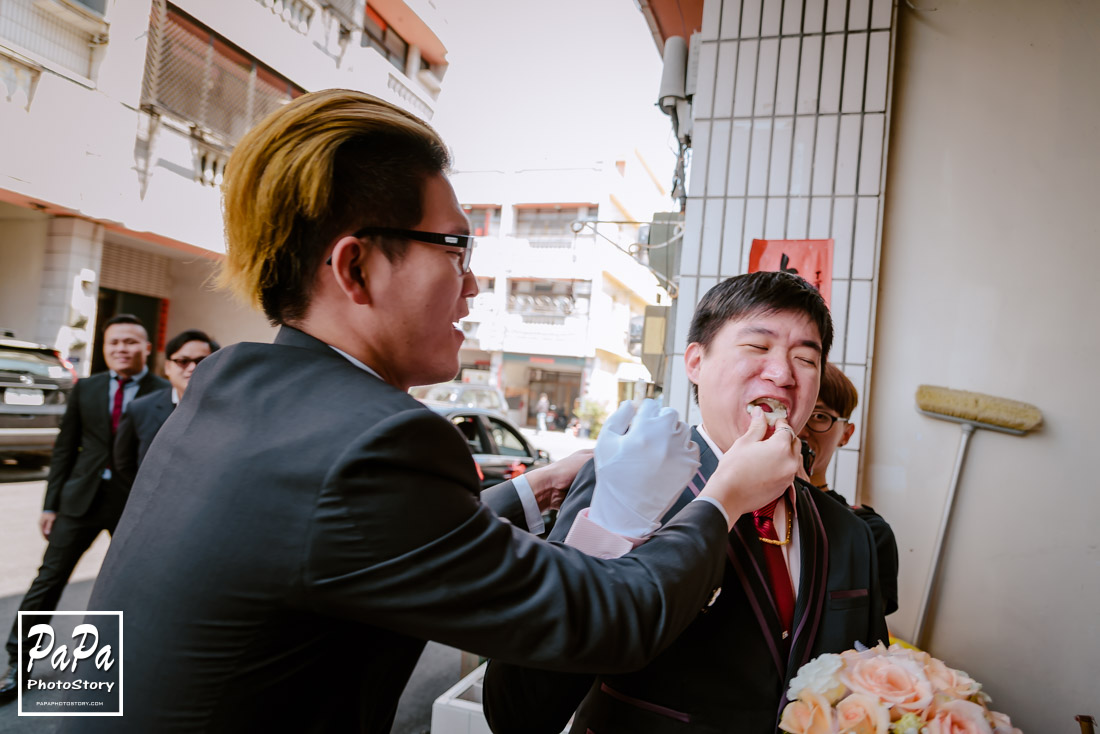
(978, 408)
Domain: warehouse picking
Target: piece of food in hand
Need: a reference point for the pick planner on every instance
(773, 409)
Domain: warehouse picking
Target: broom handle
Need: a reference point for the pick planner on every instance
(934, 572)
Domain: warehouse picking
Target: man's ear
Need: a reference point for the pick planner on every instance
(693, 357)
(349, 268)
(849, 429)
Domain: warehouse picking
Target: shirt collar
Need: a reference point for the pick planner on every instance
(355, 361)
(136, 378)
(710, 441)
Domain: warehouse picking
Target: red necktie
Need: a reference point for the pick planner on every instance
(116, 410)
(778, 572)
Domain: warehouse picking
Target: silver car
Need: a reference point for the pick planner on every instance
(35, 383)
(463, 394)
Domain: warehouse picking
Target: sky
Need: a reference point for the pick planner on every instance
(533, 83)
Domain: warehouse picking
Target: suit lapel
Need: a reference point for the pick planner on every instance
(708, 462)
(164, 406)
(97, 408)
(748, 560)
(810, 602)
(747, 564)
(148, 384)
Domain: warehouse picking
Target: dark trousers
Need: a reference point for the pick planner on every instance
(69, 539)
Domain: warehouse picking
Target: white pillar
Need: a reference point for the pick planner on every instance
(70, 284)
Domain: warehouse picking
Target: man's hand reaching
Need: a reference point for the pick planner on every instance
(644, 459)
(550, 483)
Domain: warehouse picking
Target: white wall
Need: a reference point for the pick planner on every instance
(789, 130)
(988, 283)
(22, 252)
(196, 304)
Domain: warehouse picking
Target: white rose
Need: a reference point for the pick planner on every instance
(819, 676)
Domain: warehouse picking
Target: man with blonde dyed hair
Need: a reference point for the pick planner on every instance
(302, 524)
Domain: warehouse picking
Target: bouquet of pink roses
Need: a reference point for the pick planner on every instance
(893, 690)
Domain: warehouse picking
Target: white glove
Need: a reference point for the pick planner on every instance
(643, 463)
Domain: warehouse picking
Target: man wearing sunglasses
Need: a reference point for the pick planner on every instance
(302, 524)
(144, 417)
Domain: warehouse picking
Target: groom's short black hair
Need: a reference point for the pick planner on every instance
(762, 292)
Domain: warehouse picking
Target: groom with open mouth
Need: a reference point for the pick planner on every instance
(800, 578)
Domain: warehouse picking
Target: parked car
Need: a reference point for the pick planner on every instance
(35, 382)
(463, 394)
(499, 449)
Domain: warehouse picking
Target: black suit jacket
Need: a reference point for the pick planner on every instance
(727, 671)
(139, 424)
(83, 447)
(886, 550)
(299, 528)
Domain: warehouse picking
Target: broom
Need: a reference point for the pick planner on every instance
(972, 410)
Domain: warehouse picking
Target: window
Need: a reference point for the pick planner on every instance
(96, 6)
(484, 220)
(552, 226)
(467, 426)
(198, 76)
(508, 441)
(486, 285)
(55, 32)
(378, 35)
(483, 398)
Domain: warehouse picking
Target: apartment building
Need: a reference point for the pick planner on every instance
(118, 117)
(563, 280)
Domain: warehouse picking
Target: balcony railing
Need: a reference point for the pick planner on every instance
(296, 13)
(529, 304)
(349, 11)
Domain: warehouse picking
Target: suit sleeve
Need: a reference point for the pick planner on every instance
(522, 700)
(878, 631)
(503, 500)
(886, 552)
(125, 456)
(399, 540)
(65, 450)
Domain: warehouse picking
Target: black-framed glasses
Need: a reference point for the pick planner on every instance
(462, 244)
(184, 362)
(822, 422)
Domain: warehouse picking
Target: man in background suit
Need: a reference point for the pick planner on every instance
(84, 494)
(302, 525)
(830, 426)
(144, 417)
(800, 578)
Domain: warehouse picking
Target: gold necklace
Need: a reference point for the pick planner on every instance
(769, 541)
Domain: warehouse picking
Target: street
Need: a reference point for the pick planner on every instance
(21, 493)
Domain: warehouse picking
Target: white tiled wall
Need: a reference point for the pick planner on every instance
(791, 116)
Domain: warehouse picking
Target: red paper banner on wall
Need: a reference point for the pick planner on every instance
(811, 259)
